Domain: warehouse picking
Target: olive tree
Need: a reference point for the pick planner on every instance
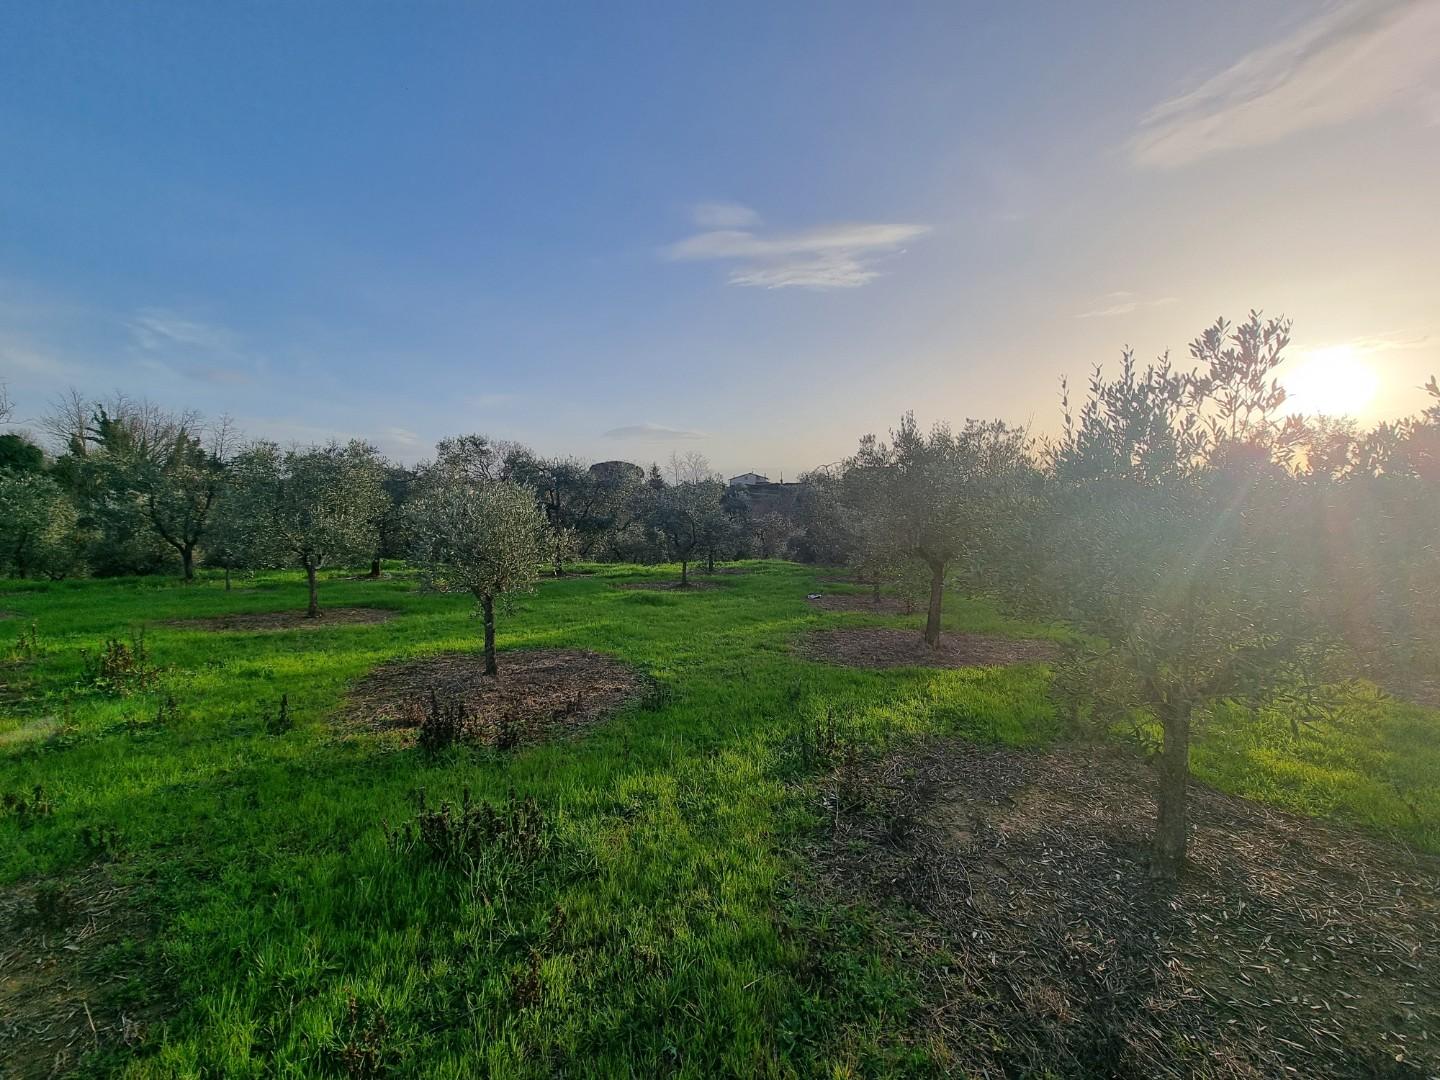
(936, 497)
(485, 538)
(686, 517)
(1157, 538)
(310, 507)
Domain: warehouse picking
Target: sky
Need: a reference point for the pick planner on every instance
(756, 231)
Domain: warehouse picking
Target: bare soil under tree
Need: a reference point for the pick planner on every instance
(1289, 947)
(865, 604)
(285, 620)
(873, 647)
(668, 586)
(541, 694)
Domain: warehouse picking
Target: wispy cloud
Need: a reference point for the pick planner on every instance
(155, 328)
(1122, 303)
(401, 436)
(651, 433)
(1351, 61)
(724, 215)
(842, 256)
(188, 347)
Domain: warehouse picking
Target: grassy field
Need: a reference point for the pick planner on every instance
(645, 924)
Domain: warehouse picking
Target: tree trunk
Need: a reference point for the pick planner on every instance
(227, 579)
(313, 611)
(937, 593)
(875, 587)
(487, 609)
(187, 562)
(684, 572)
(1171, 820)
(710, 564)
(374, 568)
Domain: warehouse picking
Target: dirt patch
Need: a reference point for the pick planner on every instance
(286, 620)
(8, 615)
(862, 602)
(668, 586)
(542, 694)
(60, 994)
(879, 648)
(1290, 946)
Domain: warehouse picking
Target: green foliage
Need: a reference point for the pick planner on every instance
(19, 454)
(689, 520)
(648, 909)
(39, 527)
(486, 539)
(308, 507)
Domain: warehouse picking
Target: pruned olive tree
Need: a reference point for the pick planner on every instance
(1156, 537)
(485, 538)
(936, 497)
(309, 507)
(686, 516)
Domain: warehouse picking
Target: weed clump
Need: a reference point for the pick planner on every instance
(123, 667)
(359, 1048)
(473, 833)
(439, 724)
(27, 644)
(100, 839)
(819, 745)
(27, 809)
(167, 714)
(280, 721)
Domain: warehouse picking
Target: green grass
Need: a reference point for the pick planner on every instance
(657, 934)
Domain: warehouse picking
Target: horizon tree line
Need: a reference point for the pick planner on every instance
(1214, 551)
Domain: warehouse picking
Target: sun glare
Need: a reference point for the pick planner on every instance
(1332, 381)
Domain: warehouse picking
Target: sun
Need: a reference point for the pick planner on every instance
(1333, 381)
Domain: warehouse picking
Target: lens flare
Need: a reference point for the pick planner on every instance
(1333, 381)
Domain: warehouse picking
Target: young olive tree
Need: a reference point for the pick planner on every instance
(936, 497)
(310, 507)
(1157, 537)
(686, 516)
(487, 539)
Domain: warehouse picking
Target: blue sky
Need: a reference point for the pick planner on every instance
(753, 230)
